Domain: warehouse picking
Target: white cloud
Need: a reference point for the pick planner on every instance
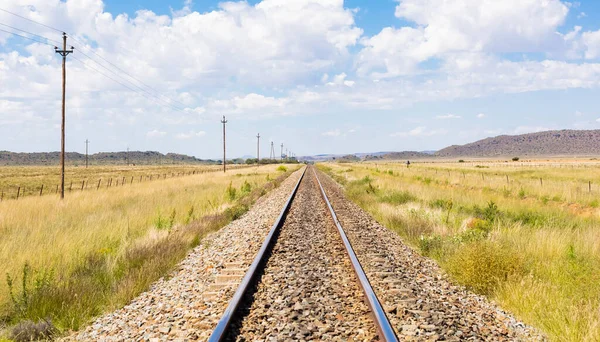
(444, 27)
(480, 115)
(598, 120)
(420, 131)
(155, 134)
(189, 135)
(341, 79)
(591, 43)
(332, 133)
(448, 116)
(578, 113)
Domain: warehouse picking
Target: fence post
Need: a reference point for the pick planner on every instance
(41, 189)
(123, 182)
(507, 181)
(131, 180)
(56, 189)
(541, 182)
(98, 187)
(82, 185)
(18, 192)
(140, 179)
(71, 186)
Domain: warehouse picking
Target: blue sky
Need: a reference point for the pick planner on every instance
(321, 76)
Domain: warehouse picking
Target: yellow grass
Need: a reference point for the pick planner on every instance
(537, 254)
(30, 179)
(99, 238)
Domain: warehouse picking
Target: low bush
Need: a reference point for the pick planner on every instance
(483, 265)
(281, 168)
(397, 197)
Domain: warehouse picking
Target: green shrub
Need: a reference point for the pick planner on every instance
(489, 213)
(522, 194)
(461, 161)
(283, 168)
(545, 199)
(515, 159)
(246, 187)
(430, 245)
(398, 197)
(483, 265)
(231, 192)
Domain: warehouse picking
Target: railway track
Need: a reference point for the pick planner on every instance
(306, 281)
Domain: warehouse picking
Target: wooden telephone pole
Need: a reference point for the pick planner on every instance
(64, 52)
(257, 148)
(86, 152)
(224, 159)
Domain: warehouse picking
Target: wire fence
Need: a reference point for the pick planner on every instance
(15, 192)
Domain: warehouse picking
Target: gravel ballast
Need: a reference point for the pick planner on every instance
(308, 290)
(421, 302)
(186, 306)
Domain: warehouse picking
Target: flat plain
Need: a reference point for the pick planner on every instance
(525, 234)
(71, 260)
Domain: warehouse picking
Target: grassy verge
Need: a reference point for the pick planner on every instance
(538, 260)
(66, 262)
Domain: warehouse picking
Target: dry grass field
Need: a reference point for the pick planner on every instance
(30, 179)
(71, 260)
(532, 246)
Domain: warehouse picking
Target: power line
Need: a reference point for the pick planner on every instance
(33, 34)
(157, 93)
(133, 84)
(125, 72)
(35, 40)
(123, 84)
(33, 21)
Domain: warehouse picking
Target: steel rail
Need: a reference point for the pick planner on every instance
(386, 332)
(221, 329)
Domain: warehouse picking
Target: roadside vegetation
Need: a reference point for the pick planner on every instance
(64, 262)
(532, 246)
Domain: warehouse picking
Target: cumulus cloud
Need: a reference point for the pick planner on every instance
(480, 116)
(445, 27)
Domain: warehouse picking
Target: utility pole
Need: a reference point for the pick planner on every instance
(86, 152)
(257, 148)
(272, 155)
(281, 155)
(224, 159)
(64, 52)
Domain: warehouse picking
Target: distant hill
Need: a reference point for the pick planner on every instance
(564, 142)
(399, 155)
(102, 158)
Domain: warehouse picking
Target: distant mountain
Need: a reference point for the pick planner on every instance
(548, 143)
(102, 158)
(399, 156)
